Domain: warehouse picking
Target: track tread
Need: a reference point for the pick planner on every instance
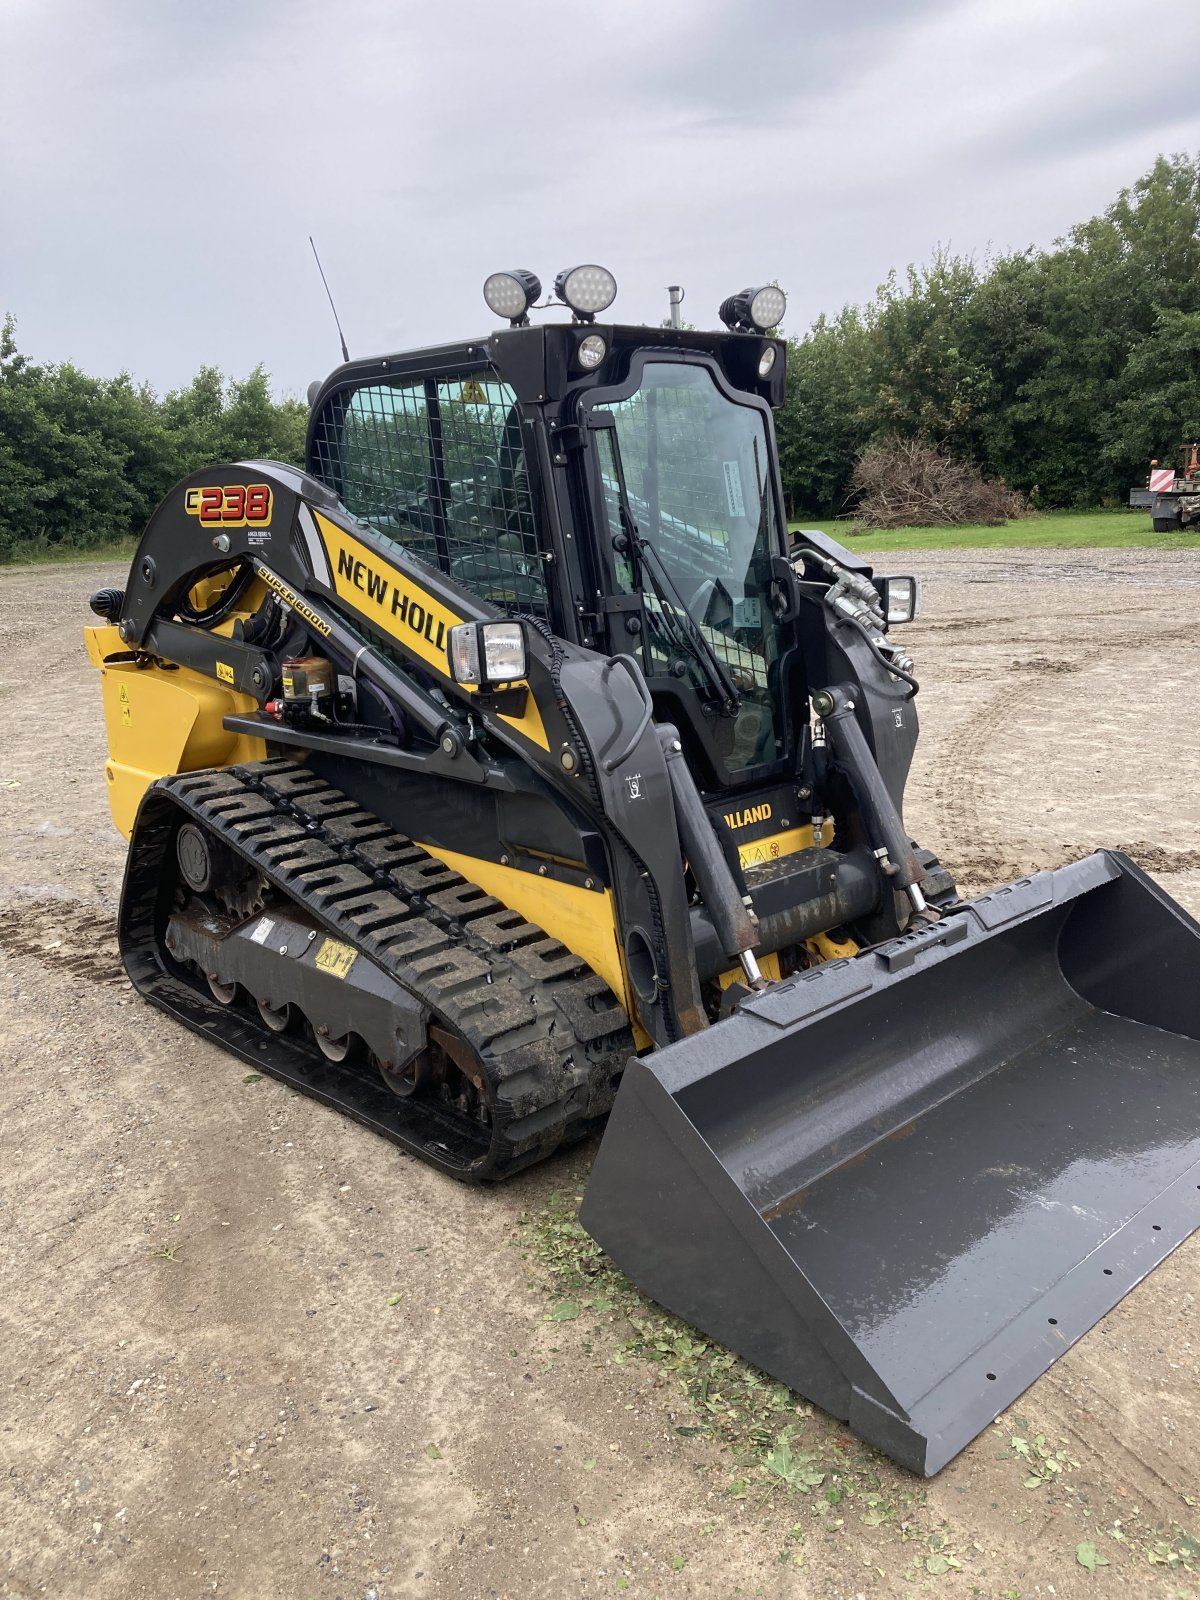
(549, 1034)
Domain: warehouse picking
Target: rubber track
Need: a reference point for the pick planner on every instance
(548, 1033)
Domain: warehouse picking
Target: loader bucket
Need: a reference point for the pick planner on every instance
(904, 1184)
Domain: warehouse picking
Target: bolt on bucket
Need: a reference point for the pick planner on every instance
(904, 1184)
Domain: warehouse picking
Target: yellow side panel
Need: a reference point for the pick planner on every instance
(101, 641)
(582, 919)
(161, 722)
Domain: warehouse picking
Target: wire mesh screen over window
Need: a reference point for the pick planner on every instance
(440, 470)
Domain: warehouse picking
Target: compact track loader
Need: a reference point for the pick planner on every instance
(510, 761)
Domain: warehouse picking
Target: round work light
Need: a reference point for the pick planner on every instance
(586, 289)
(510, 294)
(754, 310)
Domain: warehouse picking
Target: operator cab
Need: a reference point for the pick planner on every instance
(616, 483)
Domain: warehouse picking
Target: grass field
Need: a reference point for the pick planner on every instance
(1050, 529)
(48, 555)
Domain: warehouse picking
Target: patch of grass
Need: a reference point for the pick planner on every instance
(781, 1457)
(776, 1445)
(57, 555)
(1063, 530)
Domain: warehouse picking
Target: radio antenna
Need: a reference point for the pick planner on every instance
(332, 307)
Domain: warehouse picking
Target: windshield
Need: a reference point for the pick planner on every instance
(697, 472)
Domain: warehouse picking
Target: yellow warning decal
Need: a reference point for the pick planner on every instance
(336, 958)
(224, 672)
(760, 851)
(471, 393)
(126, 708)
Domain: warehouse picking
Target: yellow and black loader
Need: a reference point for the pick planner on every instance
(509, 771)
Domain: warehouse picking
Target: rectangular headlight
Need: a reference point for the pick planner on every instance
(901, 598)
(487, 653)
(503, 651)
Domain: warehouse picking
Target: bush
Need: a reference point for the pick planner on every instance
(905, 483)
(84, 461)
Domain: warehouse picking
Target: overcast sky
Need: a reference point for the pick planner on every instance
(162, 162)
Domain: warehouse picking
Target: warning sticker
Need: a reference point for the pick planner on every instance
(263, 932)
(471, 393)
(733, 488)
(224, 672)
(336, 958)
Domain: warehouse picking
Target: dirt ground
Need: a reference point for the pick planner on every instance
(206, 1387)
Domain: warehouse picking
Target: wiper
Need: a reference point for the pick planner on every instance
(680, 623)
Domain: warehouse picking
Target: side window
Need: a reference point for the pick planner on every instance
(372, 448)
(492, 540)
(384, 448)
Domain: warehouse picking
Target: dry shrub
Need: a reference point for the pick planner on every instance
(903, 483)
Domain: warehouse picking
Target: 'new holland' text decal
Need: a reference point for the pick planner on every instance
(387, 598)
(395, 604)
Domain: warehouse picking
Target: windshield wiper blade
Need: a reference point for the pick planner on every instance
(678, 618)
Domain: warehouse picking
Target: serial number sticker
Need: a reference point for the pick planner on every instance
(734, 498)
(263, 932)
(224, 672)
(336, 958)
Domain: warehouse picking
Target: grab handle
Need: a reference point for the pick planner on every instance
(608, 761)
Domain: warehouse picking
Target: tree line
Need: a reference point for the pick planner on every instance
(1062, 371)
(84, 461)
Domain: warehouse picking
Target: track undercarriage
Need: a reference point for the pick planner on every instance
(266, 909)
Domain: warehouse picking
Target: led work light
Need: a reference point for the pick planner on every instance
(754, 310)
(901, 598)
(586, 289)
(487, 653)
(510, 294)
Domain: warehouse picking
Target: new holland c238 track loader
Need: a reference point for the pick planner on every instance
(508, 771)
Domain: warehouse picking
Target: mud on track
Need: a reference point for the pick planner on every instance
(204, 1388)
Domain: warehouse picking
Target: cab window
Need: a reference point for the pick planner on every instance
(440, 469)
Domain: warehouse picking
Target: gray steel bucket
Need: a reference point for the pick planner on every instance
(906, 1183)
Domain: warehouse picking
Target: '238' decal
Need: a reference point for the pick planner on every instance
(236, 505)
